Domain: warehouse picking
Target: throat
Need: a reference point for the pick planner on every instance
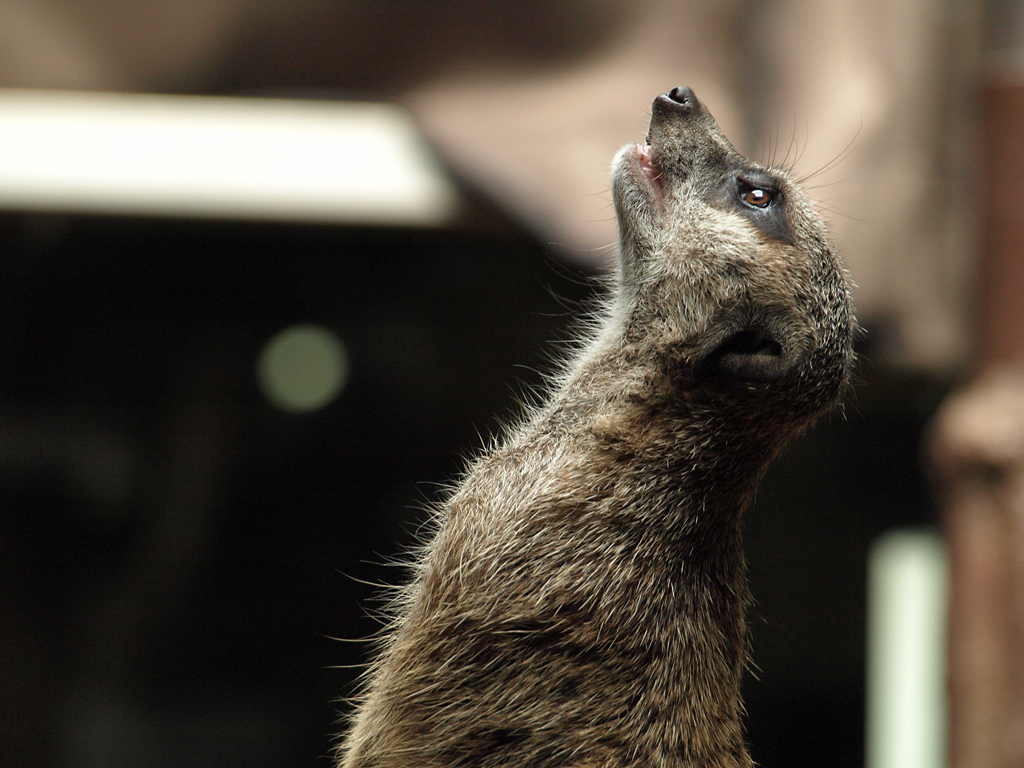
(692, 701)
(680, 630)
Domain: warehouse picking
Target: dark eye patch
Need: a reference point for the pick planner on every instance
(760, 199)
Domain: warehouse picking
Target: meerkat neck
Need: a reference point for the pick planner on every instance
(664, 523)
(650, 584)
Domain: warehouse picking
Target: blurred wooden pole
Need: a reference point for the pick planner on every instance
(1000, 318)
(977, 448)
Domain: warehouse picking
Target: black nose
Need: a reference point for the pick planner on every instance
(680, 101)
(683, 96)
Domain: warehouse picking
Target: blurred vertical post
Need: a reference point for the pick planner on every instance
(977, 443)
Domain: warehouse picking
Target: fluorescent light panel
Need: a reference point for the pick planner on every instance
(217, 157)
(906, 664)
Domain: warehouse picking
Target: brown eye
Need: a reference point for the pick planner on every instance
(758, 198)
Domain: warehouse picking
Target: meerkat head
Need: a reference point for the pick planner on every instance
(724, 268)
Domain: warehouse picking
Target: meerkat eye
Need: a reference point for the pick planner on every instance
(759, 198)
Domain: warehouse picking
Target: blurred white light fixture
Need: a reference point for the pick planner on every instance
(213, 157)
(302, 368)
(906, 663)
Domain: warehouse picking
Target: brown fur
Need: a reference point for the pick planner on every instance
(582, 603)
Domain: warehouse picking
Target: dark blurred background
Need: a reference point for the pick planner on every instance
(186, 560)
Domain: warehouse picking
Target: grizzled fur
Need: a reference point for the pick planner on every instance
(582, 603)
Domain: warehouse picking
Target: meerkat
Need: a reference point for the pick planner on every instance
(582, 600)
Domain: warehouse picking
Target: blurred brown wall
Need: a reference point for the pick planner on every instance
(529, 101)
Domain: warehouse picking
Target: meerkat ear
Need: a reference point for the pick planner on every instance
(760, 349)
(748, 355)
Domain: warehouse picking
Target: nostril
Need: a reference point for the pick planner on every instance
(682, 96)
